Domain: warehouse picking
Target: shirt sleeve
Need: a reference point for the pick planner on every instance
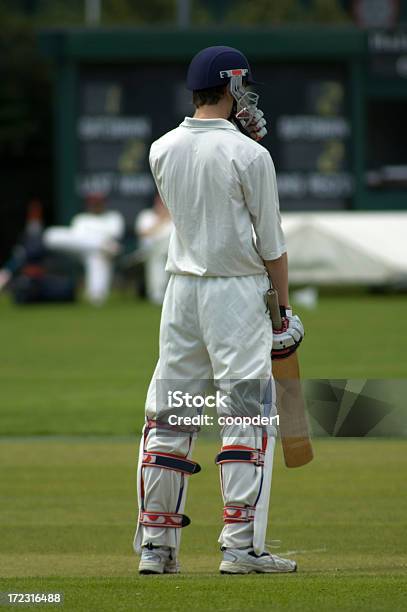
(259, 185)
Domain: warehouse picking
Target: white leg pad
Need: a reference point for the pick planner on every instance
(159, 489)
(246, 484)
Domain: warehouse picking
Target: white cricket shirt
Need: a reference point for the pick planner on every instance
(218, 185)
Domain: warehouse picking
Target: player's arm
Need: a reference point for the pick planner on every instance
(261, 195)
(259, 186)
(277, 269)
(13, 265)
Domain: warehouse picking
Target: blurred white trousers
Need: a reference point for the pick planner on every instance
(156, 275)
(89, 249)
(212, 328)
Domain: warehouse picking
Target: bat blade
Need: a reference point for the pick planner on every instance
(294, 429)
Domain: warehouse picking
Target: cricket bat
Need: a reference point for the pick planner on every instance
(294, 429)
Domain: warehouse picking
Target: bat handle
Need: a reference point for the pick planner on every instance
(274, 308)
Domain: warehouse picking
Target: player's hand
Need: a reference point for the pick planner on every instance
(254, 123)
(289, 337)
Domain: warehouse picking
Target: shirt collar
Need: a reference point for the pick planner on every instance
(208, 124)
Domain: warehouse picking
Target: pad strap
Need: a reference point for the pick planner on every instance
(250, 455)
(163, 519)
(238, 514)
(170, 462)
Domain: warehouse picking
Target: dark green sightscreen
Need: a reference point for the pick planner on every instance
(319, 84)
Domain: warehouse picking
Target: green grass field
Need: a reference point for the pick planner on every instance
(81, 370)
(72, 385)
(68, 514)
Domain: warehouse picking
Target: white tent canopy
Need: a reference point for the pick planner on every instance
(347, 247)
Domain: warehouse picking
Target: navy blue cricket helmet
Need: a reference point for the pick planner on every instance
(212, 67)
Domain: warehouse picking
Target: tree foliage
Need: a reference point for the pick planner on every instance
(114, 12)
(144, 12)
(25, 91)
(279, 12)
(328, 11)
(262, 12)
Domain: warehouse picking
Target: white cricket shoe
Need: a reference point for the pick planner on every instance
(158, 560)
(245, 561)
(172, 566)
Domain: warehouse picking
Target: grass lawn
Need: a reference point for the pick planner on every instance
(68, 514)
(72, 387)
(80, 370)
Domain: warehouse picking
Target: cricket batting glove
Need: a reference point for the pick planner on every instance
(287, 339)
(250, 117)
(253, 122)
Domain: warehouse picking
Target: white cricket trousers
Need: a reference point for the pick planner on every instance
(156, 275)
(217, 329)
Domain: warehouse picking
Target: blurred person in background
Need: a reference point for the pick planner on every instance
(153, 228)
(93, 237)
(26, 270)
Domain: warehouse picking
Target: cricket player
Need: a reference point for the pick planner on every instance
(153, 228)
(93, 237)
(226, 247)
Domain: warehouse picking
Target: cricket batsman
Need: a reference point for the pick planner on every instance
(226, 248)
